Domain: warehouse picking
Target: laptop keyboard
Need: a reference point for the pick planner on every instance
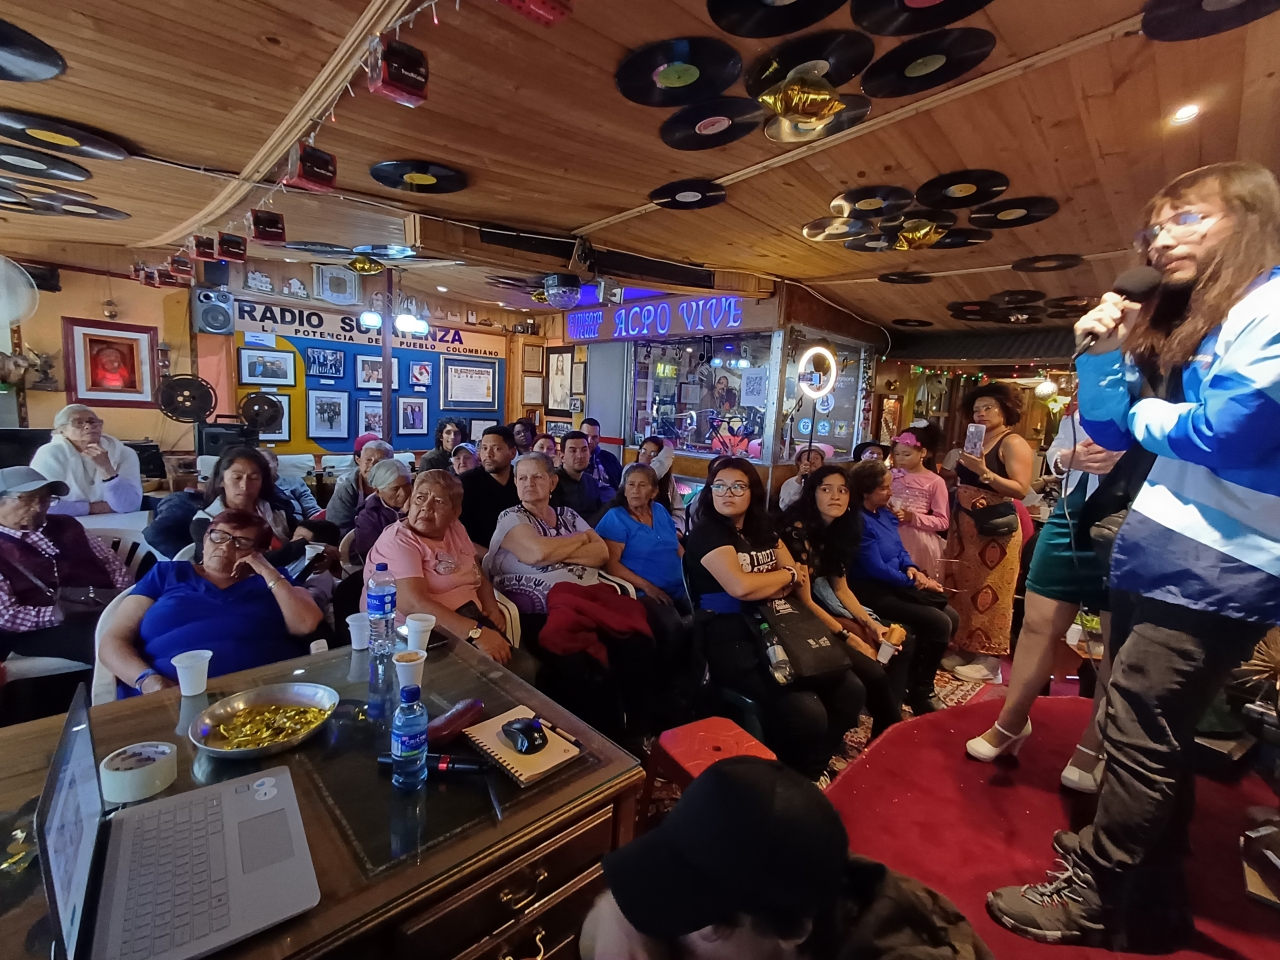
(177, 889)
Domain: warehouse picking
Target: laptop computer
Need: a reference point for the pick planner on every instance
(173, 878)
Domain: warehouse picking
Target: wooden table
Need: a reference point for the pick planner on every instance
(431, 875)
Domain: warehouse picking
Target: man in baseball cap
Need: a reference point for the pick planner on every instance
(753, 864)
(16, 480)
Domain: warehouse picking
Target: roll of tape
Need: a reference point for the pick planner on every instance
(138, 771)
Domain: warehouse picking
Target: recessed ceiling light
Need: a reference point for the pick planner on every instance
(443, 289)
(1186, 114)
(287, 260)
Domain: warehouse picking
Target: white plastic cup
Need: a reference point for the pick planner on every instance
(193, 671)
(887, 650)
(419, 627)
(358, 623)
(409, 665)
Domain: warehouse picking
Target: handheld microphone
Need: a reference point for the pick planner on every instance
(1137, 286)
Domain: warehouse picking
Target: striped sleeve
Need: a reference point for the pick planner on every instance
(1105, 398)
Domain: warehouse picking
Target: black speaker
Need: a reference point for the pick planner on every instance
(150, 460)
(215, 438)
(212, 311)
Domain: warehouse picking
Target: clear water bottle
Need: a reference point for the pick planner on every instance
(409, 740)
(381, 603)
(779, 662)
(382, 687)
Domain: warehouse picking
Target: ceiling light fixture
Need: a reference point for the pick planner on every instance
(371, 320)
(1186, 114)
(408, 323)
(443, 289)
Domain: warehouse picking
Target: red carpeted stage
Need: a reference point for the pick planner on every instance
(915, 801)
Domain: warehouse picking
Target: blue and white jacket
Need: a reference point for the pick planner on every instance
(1204, 531)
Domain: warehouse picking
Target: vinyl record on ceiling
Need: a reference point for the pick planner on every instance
(676, 73)
(8, 195)
(912, 323)
(872, 243)
(836, 228)
(32, 207)
(418, 176)
(926, 62)
(1013, 212)
(59, 136)
(319, 249)
(688, 194)
(1082, 304)
(782, 130)
(972, 308)
(384, 251)
(769, 18)
(1016, 298)
(974, 317)
(1172, 20)
(79, 208)
(715, 123)
(33, 188)
(962, 188)
(961, 237)
(918, 216)
(839, 55)
(34, 163)
(25, 58)
(899, 18)
(905, 277)
(1048, 263)
(877, 201)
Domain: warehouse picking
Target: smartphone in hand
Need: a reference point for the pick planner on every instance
(973, 439)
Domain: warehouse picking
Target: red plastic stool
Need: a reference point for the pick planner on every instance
(684, 752)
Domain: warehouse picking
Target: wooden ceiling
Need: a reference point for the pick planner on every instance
(1072, 103)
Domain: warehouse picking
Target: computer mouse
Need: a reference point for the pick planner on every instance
(526, 734)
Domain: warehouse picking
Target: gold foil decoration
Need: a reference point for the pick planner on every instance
(263, 726)
(366, 266)
(803, 97)
(919, 234)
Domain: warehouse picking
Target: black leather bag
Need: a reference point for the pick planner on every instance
(812, 650)
(995, 519)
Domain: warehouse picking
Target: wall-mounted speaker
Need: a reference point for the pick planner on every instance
(213, 439)
(213, 311)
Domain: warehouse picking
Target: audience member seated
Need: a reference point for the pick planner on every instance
(489, 488)
(641, 536)
(101, 473)
(883, 575)
(604, 465)
(808, 459)
(233, 603)
(818, 530)
(349, 496)
(871, 450)
(754, 863)
(449, 434)
(391, 483)
(546, 443)
(323, 574)
(525, 431)
(293, 489)
(463, 458)
(655, 452)
(170, 527)
(733, 559)
(436, 571)
(241, 480)
(54, 577)
(536, 545)
(578, 489)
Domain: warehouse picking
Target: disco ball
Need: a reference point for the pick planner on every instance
(1047, 390)
(563, 290)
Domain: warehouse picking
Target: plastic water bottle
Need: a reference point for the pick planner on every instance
(409, 740)
(779, 662)
(381, 602)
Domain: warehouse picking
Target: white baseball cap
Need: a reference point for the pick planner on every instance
(15, 480)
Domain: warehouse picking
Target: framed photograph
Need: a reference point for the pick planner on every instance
(327, 414)
(369, 418)
(478, 427)
(109, 364)
(419, 373)
(283, 433)
(468, 384)
(558, 428)
(559, 373)
(532, 389)
(268, 368)
(532, 360)
(535, 414)
(369, 373)
(575, 404)
(323, 362)
(411, 415)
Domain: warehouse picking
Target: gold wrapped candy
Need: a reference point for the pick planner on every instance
(263, 726)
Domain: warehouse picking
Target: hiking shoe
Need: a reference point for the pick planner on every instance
(1063, 909)
(1067, 845)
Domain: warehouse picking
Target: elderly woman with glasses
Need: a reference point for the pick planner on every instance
(233, 603)
(391, 483)
(351, 493)
(101, 473)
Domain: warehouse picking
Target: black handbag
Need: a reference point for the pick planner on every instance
(805, 639)
(995, 519)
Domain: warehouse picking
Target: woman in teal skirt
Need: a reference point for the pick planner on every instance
(1061, 580)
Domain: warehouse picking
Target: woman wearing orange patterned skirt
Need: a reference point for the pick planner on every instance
(985, 540)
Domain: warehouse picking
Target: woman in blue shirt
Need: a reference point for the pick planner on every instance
(642, 542)
(234, 604)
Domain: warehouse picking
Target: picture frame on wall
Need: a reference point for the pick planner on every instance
(325, 362)
(468, 384)
(369, 372)
(478, 427)
(411, 415)
(260, 366)
(281, 435)
(369, 418)
(109, 364)
(327, 415)
(559, 380)
(532, 359)
(419, 373)
(578, 386)
(532, 389)
(575, 404)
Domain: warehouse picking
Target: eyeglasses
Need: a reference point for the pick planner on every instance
(31, 499)
(1182, 224)
(242, 543)
(83, 424)
(729, 489)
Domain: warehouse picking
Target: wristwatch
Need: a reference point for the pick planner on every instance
(474, 635)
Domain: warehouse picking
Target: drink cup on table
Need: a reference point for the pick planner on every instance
(409, 665)
(193, 671)
(359, 626)
(419, 627)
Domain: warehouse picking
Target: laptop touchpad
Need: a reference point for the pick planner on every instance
(264, 841)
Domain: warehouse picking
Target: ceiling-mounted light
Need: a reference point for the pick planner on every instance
(1186, 113)
(443, 289)
(408, 323)
(563, 290)
(371, 320)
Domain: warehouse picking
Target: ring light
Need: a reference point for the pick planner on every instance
(805, 388)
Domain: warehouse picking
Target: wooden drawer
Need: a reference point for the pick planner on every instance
(507, 896)
(550, 930)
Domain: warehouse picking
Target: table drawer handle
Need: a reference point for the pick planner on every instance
(523, 900)
(537, 940)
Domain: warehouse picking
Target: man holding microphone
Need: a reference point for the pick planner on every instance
(1199, 549)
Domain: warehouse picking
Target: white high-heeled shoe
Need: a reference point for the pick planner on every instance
(979, 749)
(1083, 781)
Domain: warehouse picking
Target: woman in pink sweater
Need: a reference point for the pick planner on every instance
(920, 502)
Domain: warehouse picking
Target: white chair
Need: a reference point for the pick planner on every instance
(407, 458)
(513, 619)
(295, 465)
(349, 565)
(204, 467)
(186, 553)
(343, 464)
(103, 689)
(624, 588)
(128, 545)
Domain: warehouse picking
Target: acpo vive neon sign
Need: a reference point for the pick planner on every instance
(654, 319)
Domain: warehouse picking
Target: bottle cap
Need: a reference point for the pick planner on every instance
(410, 693)
(380, 566)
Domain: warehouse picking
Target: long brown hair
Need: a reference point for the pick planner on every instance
(1251, 196)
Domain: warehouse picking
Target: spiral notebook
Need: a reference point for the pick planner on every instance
(524, 768)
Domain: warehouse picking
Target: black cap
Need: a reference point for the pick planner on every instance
(748, 836)
(862, 448)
